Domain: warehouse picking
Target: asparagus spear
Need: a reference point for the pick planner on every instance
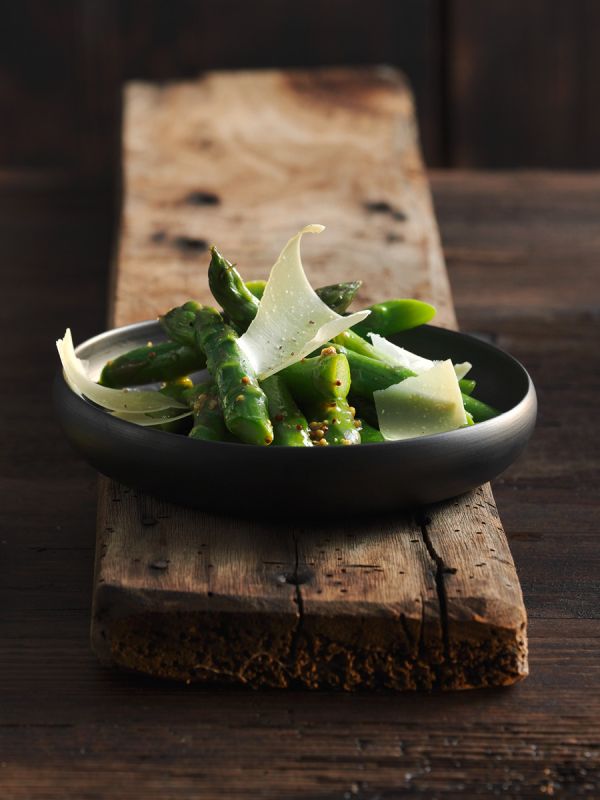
(177, 389)
(161, 362)
(394, 316)
(240, 301)
(209, 424)
(228, 289)
(365, 409)
(289, 424)
(243, 402)
(178, 323)
(368, 434)
(352, 341)
(467, 385)
(257, 288)
(338, 296)
(321, 385)
(478, 410)
(177, 358)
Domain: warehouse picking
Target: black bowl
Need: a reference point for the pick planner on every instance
(248, 479)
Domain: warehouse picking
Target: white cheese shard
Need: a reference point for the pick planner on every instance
(134, 406)
(152, 417)
(428, 403)
(292, 320)
(399, 357)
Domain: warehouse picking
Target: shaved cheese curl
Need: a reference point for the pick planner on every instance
(292, 320)
(134, 406)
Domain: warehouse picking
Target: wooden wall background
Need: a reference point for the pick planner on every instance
(500, 83)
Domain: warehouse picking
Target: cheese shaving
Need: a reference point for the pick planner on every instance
(399, 357)
(426, 404)
(152, 418)
(126, 403)
(292, 320)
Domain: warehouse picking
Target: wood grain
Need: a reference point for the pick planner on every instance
(275, 150)
(70, 729)
(495, 119)
(414, 601)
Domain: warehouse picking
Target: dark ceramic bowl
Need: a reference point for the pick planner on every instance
(243, 478)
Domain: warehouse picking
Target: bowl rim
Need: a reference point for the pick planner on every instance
(490, 426)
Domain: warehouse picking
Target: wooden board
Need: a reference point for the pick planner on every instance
(70, 728)
(409, 601)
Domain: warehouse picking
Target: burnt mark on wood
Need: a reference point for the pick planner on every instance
(392, 238)
(329, 86)
(190, 244)
(202, 198)
(383, 207)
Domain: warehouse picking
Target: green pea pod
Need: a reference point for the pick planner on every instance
(244, 403)
(394, 316)
(369, 375)
(230, 291)
(151, 363)
(178, 323)
(289, 424)
(321, 385)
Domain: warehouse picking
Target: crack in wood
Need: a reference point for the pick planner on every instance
(421, 645)
(407, 631)
(298, 631)
(441, 568)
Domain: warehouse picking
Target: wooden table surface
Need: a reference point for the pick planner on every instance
(523, 252)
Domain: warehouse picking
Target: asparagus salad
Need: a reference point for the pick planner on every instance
(283, 364)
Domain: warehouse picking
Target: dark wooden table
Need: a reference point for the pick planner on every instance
(523, 252)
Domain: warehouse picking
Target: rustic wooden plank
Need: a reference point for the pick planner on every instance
(245, 160)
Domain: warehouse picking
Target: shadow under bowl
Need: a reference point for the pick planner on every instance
(246, 479)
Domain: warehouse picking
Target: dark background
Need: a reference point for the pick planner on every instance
(500, 83)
